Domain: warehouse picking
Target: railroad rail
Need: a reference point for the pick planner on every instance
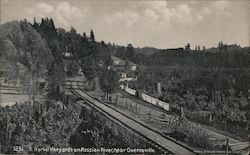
(163, 143)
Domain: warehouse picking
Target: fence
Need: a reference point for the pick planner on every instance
(231, 130)
(146, 97)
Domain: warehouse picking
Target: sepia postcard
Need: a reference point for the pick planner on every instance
(140, 77)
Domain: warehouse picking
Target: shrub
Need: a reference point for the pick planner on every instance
(194, 135)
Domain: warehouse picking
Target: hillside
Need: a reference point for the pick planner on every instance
(147, 50)
(21, 43)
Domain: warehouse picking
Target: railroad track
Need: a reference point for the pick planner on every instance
(160, 141)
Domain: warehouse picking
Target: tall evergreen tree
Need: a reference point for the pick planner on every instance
(130, 54)
(220, 46)
(35, 24)
(92, 36)
(204, 48)
(187, 47)
(84, 36)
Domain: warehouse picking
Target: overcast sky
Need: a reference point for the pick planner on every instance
(161, 24)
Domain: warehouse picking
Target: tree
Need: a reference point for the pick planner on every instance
(90, 72)
(191, 104)
(47, 30)
(72, 69)
(8, 50)
(130, 53)
(101, 53)
(187, 47)
(92, 36)
(220, 46)
(62, 40)
(109, 61)
(74, 42)
(121, 52)
(204, 48)
(35, 24)
(199, 48)
(57, 76)
(37, 56)
(84, 36)
(108, 80)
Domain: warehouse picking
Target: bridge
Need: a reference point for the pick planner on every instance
(163, 143)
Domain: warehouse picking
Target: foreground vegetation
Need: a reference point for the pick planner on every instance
(49, 123)
(58, 124)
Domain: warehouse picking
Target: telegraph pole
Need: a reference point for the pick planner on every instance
(227, 147)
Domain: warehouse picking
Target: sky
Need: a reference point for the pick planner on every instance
(160, 24)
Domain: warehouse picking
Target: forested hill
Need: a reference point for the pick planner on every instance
(37, 50)
(21, 44)
(235, 59)
(19, 38)
(229, 56)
